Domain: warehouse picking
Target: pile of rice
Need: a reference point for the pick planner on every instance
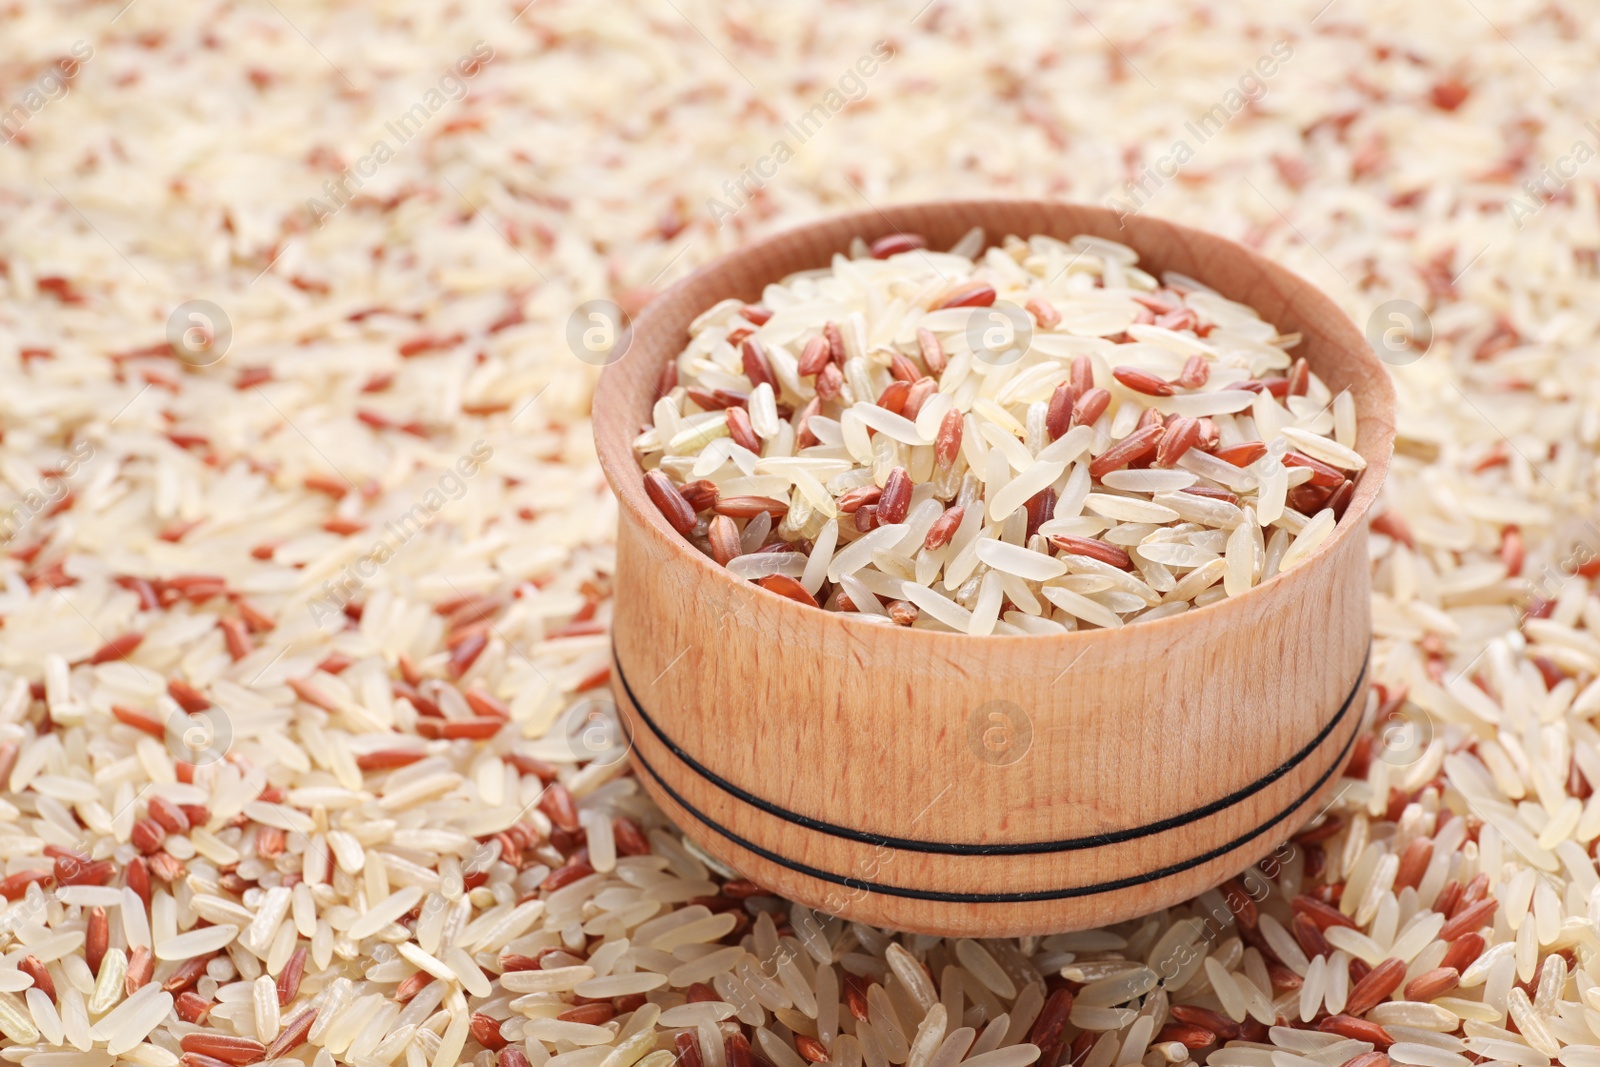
(304, 640)
(973, 413)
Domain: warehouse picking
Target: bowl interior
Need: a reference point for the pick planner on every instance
(1332, 345)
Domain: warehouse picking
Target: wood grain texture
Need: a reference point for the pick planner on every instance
(987, 785)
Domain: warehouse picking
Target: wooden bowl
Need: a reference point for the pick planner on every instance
(993, 786)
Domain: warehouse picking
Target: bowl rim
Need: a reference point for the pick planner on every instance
(614, 438)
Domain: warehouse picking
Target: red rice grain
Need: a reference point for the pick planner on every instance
(1196, 372)
(1100, 550)
(1243, 454)
(1463, 951)
(756, 366)
(1434, 983)
(745, 507)
(736, 1050)
(192, 1008)
(557, 803)
(895, 501)
(148, 835)
(1133, 447)
(1321, 473)
(141, 968)
(922, 390)
(947, 444)
(829, 381)
(966, 295)
(786, 586)
(1187, 1034)
(1357, 1029)
(1058, 416)
(1376, 987)
(34, 969)
(894, 396)
(1468, 919)
(835, 338)
(1223, 1027)
(1180, 435)
(814, 357)
(723, 535)
(1051, 1023)
(1323, 915)
(902, 612)
(928, 347)
(228, 1048)
(293, 1034)
(685, 1047)
(485, 1031)
(810, 1049)
(1081, 374)
(1299, 378)
(896, 243)
(902, 369)
(119, 647)
(666, 497)
(1142, 381)
(289, 978)
(700, 495)
(1413, 863)
(855, 499)
(1090, 405)
(1309, 936)
(188, 973)
(1044, 312)
(944, 528)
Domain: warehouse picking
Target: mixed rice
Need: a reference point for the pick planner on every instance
(300, 643)
(1032, 438)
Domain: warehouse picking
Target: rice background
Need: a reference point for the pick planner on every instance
(397, 209)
